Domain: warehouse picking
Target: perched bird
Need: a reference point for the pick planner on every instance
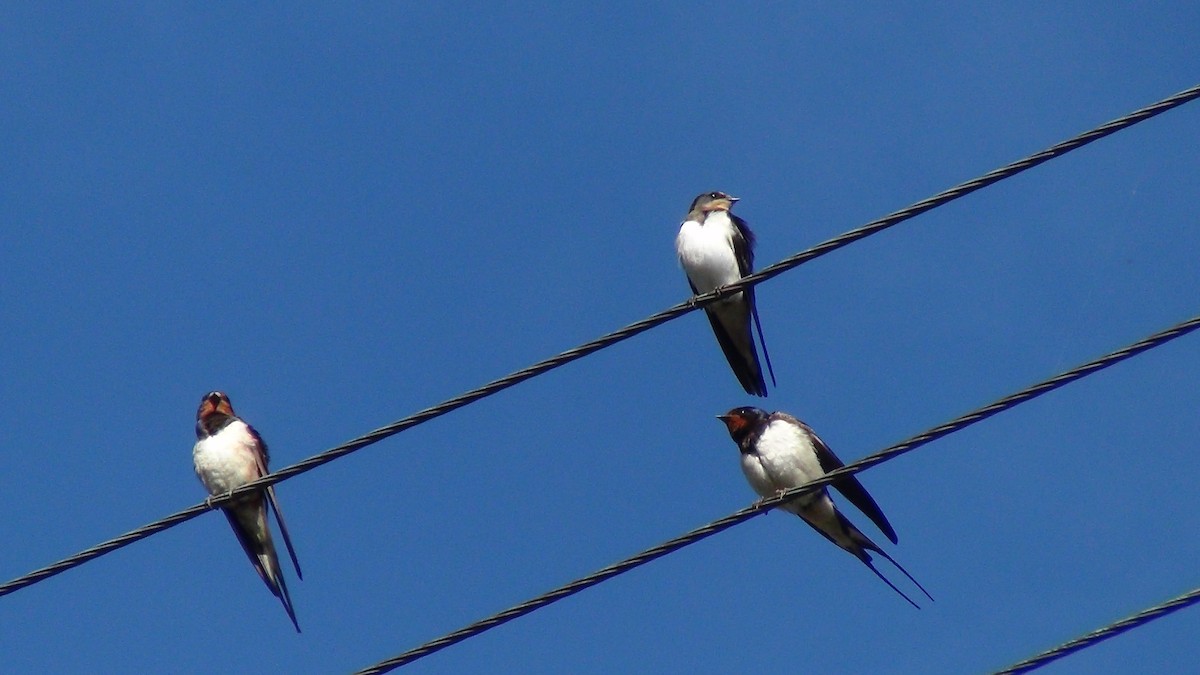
(716, 248)
(781, 452)
(228, 454)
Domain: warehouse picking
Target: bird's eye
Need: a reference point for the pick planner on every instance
(714, 195)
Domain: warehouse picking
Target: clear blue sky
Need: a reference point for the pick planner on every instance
(342, 214)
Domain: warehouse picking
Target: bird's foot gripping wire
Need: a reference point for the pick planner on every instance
(760, 503)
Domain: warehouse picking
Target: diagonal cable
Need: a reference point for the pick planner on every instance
(765, 505)
(608, 340)
(1097, 636)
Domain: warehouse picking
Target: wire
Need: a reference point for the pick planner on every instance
(1112, 630)
(765, 505)
(608, 340)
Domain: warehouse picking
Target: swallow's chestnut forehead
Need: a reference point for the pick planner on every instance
(735, 422)
(214, 402)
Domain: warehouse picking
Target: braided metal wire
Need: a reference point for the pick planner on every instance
(765, 505)
(1112, 630)
(608, 340)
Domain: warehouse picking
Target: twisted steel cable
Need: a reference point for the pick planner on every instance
(765, 505)
(1100, 635)
(605, 341)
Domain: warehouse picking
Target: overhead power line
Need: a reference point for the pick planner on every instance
(1097, 636)
(605, 341)
(765, 505)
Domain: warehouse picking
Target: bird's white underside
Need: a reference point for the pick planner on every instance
(786, 457)
(227, 459)
(706, 251)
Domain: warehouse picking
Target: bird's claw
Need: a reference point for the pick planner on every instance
(761, 503)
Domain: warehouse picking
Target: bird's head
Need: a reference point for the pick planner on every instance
(712, 201)
(214, 403)
(741, 421)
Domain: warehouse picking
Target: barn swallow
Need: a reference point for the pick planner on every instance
(228, 454)
(716, 248)
(780, 452)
